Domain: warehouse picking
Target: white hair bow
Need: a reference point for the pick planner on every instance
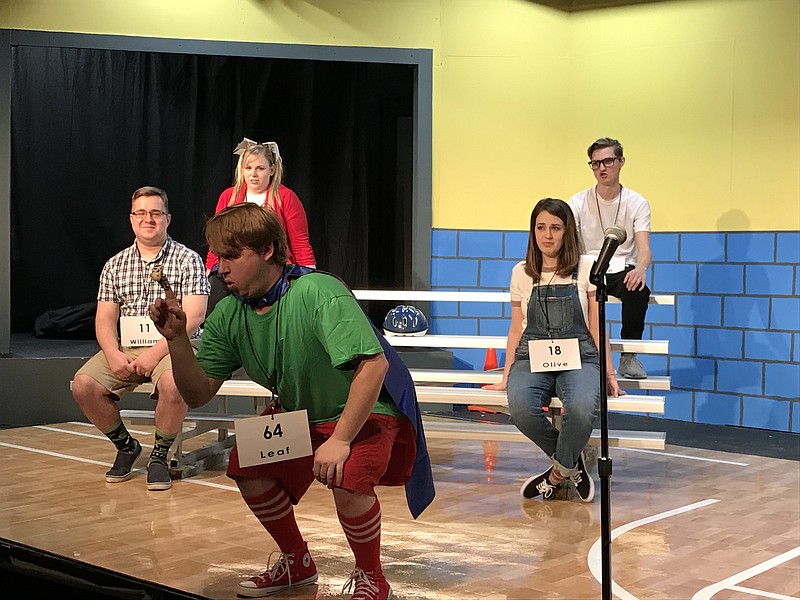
(246, 144)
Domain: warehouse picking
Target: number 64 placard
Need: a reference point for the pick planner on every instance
(273, 438)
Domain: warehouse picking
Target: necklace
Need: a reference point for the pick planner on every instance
(597, 203)
(543, 305)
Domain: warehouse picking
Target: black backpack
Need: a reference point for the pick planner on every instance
(68, 323)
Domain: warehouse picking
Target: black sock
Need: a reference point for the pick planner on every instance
(162, 446)
(120, 437)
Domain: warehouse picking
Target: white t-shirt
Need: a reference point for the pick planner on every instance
(522, 286)
(257, 198)
(629, 210)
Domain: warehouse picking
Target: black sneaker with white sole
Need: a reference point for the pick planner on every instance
(582, 479)
(538, 485)
(123, 464)
(158, 476)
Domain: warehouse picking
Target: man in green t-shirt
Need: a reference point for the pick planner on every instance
(306, 338)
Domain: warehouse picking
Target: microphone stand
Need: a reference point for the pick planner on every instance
(604, 460)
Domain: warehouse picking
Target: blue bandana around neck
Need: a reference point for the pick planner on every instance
(277, 291)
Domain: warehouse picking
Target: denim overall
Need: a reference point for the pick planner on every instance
(579, 390)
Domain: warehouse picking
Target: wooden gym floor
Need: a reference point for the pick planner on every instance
(686, 523)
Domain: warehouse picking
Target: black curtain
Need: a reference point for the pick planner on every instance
(90, 126)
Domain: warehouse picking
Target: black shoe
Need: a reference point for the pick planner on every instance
(123, 465)
(583, 481)
(158, 476)
(538, 484)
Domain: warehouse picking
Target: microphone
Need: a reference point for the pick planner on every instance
(615, 236)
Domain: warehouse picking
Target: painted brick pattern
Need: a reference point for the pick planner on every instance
(734, 330)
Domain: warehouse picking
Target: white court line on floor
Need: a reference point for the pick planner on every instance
(752, 592)
(642, 450)
(595, 556)
(730, 582)
(90, 461)
(686, 456)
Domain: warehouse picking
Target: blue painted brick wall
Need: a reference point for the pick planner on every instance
(515, 245)
(782, 380)
(681, 339)
(720, 342)
(699, 310)
(496, 273)
(720, 279)
(739, 376)
(483, 244)
(454, 272)
(665, 246)
(785, 314)
(444, 242)
(718, 409)
(734, 331)
(768, 345)
(751, 247)
(679, 405)
(764, 413)
(788, 248)
(702, 247)
(770, 280)
(742, 312)
(670, 278)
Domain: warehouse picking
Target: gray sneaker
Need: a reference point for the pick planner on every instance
(123, 465)
(158, 476)
(630, 367)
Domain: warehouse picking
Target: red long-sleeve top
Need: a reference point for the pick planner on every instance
(292, 215)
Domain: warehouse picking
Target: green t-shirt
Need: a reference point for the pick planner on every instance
(319, 328)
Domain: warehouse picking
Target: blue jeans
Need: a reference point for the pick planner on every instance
(578, 390)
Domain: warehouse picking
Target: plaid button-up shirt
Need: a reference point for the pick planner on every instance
(125, 279)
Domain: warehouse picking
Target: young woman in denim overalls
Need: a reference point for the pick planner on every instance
(552, 299)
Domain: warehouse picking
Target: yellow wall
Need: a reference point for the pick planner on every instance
(704, 94)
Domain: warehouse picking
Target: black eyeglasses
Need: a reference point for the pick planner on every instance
(606, 162)
(156, 214)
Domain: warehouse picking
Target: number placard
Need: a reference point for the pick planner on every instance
(273, 438)
(554, 355)
(138, 331)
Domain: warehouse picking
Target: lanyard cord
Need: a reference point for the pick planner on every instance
(148, 281)
(597, 203)
(274, 400)
(543, 305)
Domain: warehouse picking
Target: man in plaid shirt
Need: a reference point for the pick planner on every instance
(139, 354)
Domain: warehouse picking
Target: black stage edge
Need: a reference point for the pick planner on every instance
(27, 572)
(724, 438)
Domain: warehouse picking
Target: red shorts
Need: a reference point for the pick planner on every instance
(382, 453)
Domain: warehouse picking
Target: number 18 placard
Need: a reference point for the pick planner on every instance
(554, 355)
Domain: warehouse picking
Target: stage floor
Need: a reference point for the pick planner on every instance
(687, 523)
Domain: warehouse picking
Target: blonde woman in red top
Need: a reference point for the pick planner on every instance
(258, 180)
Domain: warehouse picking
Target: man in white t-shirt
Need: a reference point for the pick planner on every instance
(609, 203)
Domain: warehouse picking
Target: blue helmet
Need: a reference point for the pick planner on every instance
(405, 320)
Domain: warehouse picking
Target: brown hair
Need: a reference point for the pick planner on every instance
(246, 225)
(149, 190)
(570, 252)
(605, 142)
